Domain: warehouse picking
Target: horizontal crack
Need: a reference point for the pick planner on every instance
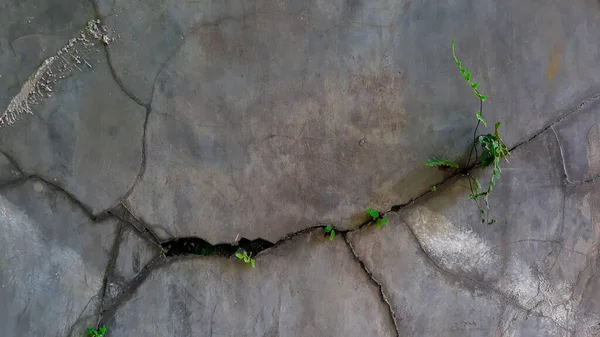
(199, 247)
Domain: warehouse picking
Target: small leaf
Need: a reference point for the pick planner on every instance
(462, 70)
(239, 256)
(387, 223)
(433, 188)
(378, 223)
(252, 263)
(328, 229)
(482, 211)
(477, 183)
(373, 213)
(481, 97)
(496, 130)
(481, 119)
(468, 76)
(332, 235)
(474, 85)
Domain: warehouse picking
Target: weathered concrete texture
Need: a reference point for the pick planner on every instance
(151, 32)
(574, 133)
(86, 137)
(31, 31)
(53, 262)
(8, 171)
(259, 110)
(133, 254)
(540, 257)
(306, 287)
(431, 302)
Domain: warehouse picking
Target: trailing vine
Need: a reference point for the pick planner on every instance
(492, 147)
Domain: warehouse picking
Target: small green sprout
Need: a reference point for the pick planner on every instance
(467, 76)
(433, 188)
(243, 255)
(331, 231)
(380, 219)
(97, 333)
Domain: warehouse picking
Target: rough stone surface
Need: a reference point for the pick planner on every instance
(133, 255)
(86, 137)
(31, 31)
(53, 262)
(215, 121)
(307, 287)
(430, 302)
(539, 259)
(8, 172)
(258, 113)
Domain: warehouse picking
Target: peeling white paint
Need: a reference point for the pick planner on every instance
(72, 56)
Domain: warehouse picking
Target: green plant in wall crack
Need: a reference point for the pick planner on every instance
(91, 332)
(493, 149)
(243, 255)
(441, 163)
(379, 218)
(331, 231)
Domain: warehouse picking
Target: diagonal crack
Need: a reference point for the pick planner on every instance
(376, 282)
(110, 267)
(123, 213)
(490, 289)
(108, 312)
(120, 83)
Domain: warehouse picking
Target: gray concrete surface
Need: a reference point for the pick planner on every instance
(125, 124)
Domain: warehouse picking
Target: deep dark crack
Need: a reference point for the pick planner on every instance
(199, 247)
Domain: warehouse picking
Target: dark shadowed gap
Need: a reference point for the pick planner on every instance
(197, 246)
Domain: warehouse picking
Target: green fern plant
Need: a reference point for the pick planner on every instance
(97, 333)
(331, 231)
(492, 146)
(243, 255)
(379, 218)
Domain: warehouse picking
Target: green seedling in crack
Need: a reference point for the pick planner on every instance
(243, 255)
(492, 146)
(91, 332)
(379, 218)
(331, 231)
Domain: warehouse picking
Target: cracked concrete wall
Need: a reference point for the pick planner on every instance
(271, 120)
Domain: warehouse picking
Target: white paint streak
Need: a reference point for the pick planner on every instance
(68, 58)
